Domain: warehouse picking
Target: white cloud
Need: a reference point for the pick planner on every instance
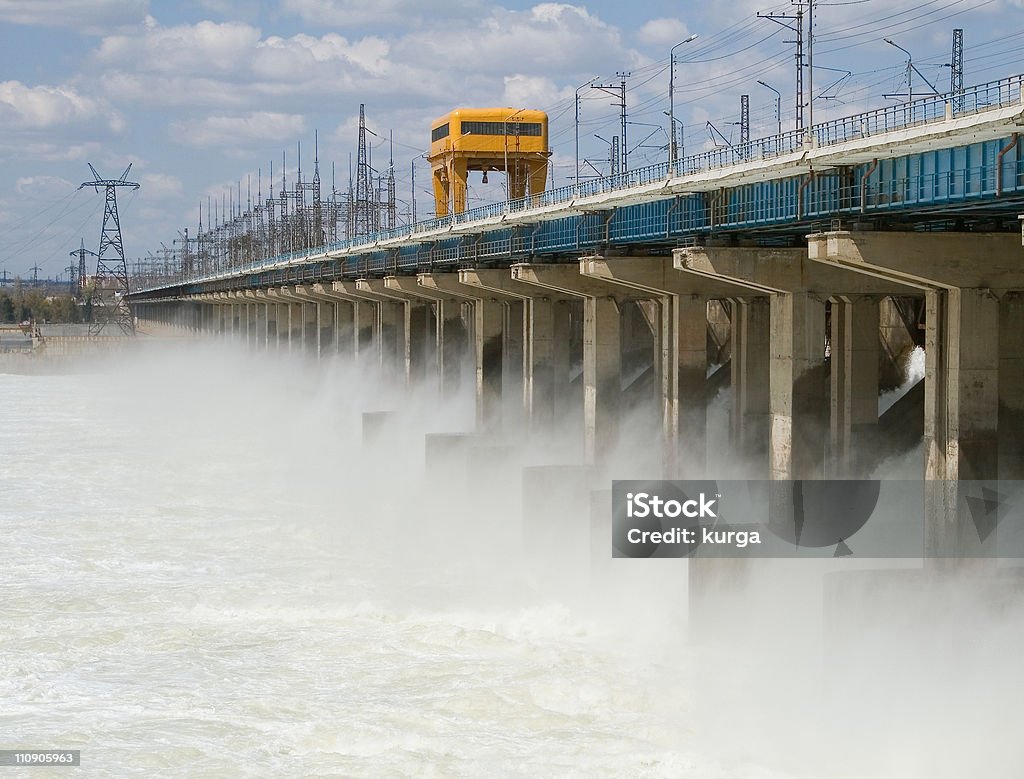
(92, 16)
(663, 32)
(548, 38)
(40, 107)
(159, 185)
(465, 59)
(348, 13)
(43, 186)
(236, 130)
(203, 48)
(528, 91)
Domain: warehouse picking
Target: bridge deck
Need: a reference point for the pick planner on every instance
(937, 154)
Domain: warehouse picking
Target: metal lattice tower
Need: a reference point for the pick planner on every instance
(80, 274)
(956, 71)
(110, 302)
(365, 205)
(282, 201)
(319, 236)
(744, 119)
(271, 207)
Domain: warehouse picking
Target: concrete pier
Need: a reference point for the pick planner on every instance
(682, 354)
(365, 321)
(451, 333)
(539, 343)
(799, 401)
(602, 349)
(972, 285)
(488, 326)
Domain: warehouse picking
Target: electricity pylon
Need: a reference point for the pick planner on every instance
(110, 295)
(79, 275)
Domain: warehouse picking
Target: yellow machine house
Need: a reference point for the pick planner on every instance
(509, 140)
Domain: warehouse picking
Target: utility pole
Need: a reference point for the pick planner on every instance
(744, 119)
(794, 22)
(412, 176)
(619, 90)
(111, 268)
(956, 71)
(392, 205)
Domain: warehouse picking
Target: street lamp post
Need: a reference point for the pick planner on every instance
(672, 99)
(590, 81)
(778, 103)
(682, 135)
(910, 68)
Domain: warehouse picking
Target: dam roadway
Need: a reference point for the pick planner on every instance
(800, 270)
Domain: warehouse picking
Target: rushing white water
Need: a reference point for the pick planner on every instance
(206, 574)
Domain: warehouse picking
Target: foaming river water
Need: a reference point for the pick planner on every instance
(205, 575)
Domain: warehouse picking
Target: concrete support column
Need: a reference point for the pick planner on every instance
(451, 339)
(690, 325)
(366, 330)
(262, 327)
(391, 335)
(420, 335)
(488, 318)
(527, 343)
(414, 323)
(602, 376)
(270, 312)
(345, 331)
(547, 360)
(602, 347)
(799, 394)
(961, 407)
(854, 382)
(326, 329)
(388, 328)
(750, 377)
(310, 314)
(366, 334)
(679, 302)
(1011, 386)
(561, 357)
(512, 352)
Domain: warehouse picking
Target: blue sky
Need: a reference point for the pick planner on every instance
(203, 94)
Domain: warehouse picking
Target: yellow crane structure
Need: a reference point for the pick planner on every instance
(513, 140)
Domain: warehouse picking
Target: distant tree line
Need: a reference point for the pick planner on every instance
(20, 304)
